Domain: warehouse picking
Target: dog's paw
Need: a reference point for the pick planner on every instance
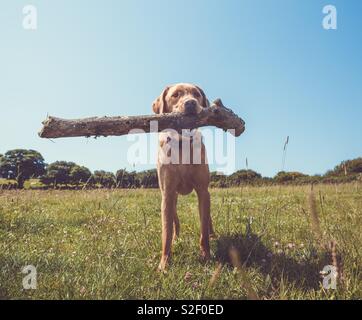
(205, 256)
(161, 270)
(163, 265)
(213, 236)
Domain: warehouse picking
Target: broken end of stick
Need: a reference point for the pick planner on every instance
(43, 132)
(239, 130)
(232, 122)
(218, 103)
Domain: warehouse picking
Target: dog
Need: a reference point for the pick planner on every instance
(181, 177)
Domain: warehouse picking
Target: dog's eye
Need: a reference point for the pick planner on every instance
(197, 95)
(176, 94)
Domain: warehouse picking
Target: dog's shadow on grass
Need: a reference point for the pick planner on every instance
(304, 272)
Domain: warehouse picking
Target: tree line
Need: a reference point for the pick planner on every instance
(18, 166)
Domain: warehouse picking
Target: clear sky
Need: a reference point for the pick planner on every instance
(271, 61)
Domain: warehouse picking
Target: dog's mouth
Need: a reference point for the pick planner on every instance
(191, 107)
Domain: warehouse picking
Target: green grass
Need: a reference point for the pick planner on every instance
(5, 182)
(106, 244)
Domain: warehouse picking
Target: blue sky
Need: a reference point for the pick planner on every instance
(271, 61)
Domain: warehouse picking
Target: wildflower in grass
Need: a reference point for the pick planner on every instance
(195, 285)
(215, 274)
(315, 225)
(188, 276)
(290, 245)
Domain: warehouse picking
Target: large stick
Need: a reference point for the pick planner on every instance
(216, 115)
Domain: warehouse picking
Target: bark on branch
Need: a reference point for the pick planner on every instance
(217, 115)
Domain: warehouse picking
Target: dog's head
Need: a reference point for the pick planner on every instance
(183, 97)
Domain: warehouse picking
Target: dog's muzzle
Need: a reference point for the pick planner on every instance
(190, 107)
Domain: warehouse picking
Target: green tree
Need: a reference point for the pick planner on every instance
(104, 179)
(127, 179)
(63, 172)
(21, 165)
(79, 174)
(148, 179)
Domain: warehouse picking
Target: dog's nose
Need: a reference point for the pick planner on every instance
(190, 106)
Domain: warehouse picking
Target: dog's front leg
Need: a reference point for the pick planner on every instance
(205, 222)
(176, 226)
(168, 213)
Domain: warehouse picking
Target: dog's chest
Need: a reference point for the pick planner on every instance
(181, 149)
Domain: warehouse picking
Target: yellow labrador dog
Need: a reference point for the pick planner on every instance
(185, 172)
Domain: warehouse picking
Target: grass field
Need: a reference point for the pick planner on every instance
(106, 244)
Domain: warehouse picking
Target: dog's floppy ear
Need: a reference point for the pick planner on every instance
(205, 101)
(160, 104)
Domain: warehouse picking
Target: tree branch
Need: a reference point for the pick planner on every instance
(217, 115)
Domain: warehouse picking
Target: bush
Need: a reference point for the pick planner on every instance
(290, 177)
(347, 168)
(243, 177)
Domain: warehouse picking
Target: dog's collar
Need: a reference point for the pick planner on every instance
(189, 136)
